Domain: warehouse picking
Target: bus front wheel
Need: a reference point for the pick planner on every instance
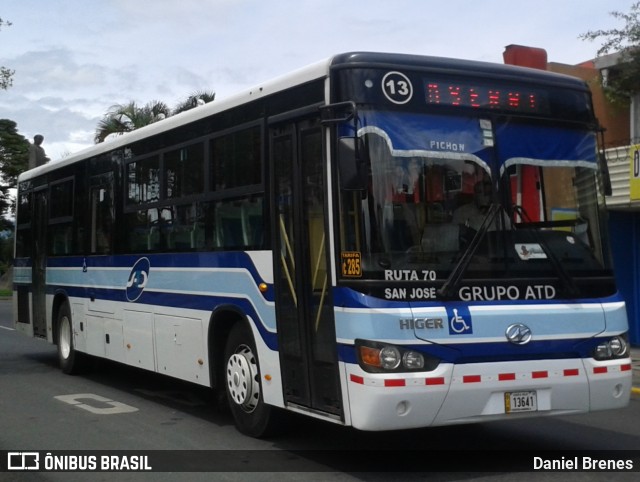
(70, 360)
(242, 384)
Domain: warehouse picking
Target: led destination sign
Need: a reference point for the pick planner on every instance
(484, 96)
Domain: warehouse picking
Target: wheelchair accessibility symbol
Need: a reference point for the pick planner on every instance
(459, 321)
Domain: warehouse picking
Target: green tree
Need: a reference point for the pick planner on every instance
(6, 75)
(122, 118)
(624, 80)
(14, 158)
(194, 100)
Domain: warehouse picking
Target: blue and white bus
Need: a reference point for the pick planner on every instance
(380, 241)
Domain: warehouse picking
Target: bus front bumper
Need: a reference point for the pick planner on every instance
(456, 394)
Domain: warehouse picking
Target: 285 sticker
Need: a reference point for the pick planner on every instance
(351, 264)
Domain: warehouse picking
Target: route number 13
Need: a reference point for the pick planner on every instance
(397, 87)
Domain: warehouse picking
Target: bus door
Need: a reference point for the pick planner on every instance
(305, 321)
(40, 220)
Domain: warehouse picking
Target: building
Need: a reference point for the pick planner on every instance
(622, 132)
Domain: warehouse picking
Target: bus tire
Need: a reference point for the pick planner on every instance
(70, 360)
(243, 385)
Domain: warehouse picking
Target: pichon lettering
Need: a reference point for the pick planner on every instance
(447, 146)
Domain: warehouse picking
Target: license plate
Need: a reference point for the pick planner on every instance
(520, 402)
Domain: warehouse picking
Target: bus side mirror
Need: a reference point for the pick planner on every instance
(604, 173)
(603, 166)
(353, 164)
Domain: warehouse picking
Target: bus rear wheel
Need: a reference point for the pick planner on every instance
(243, 387)
(70, 360)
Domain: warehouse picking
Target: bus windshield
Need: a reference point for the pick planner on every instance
(432, 180)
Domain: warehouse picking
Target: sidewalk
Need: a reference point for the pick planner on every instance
(635, 365)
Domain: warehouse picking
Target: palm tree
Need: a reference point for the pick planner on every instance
(123, 118)
(194, 100)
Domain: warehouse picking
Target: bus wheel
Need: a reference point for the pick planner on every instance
(242, 380)
(67, 355)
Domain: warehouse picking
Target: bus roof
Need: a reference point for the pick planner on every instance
(453, 66)
(312, 72)
(301, 76)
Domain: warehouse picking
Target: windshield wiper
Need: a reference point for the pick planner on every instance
(566, 279)
(453, 281)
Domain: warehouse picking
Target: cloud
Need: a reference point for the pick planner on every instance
(52, 123)
(55, 70)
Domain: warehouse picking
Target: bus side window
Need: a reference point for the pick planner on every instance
(62, 238)
(253, 223)
(197, 236)
(228, 225)
(143, 230)
(102, 215)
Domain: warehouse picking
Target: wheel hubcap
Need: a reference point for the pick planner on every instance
(242, 379)
(65, 337)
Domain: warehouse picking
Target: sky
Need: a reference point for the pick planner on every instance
(74, 59)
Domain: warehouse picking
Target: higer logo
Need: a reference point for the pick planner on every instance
(138, 278)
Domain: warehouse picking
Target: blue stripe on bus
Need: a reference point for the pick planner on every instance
(195, 302)
(232, 260)
(161, 260)
(366, 319)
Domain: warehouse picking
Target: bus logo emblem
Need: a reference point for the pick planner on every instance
(138, 278)
(518, 334)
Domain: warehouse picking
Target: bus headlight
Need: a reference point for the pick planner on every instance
(379, 357)
(615, 347)
(413, 360)
(390, 358)
(618, 346)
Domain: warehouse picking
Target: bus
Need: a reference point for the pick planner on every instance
(383, 241)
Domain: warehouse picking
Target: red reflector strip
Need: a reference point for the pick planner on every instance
(471, 379)
(600, 370)
(394, 383)
(626, 367)
(506, 376)
(571, 372)
(434, 381)
(541, 374)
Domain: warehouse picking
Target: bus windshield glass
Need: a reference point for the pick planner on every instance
(513, 199)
